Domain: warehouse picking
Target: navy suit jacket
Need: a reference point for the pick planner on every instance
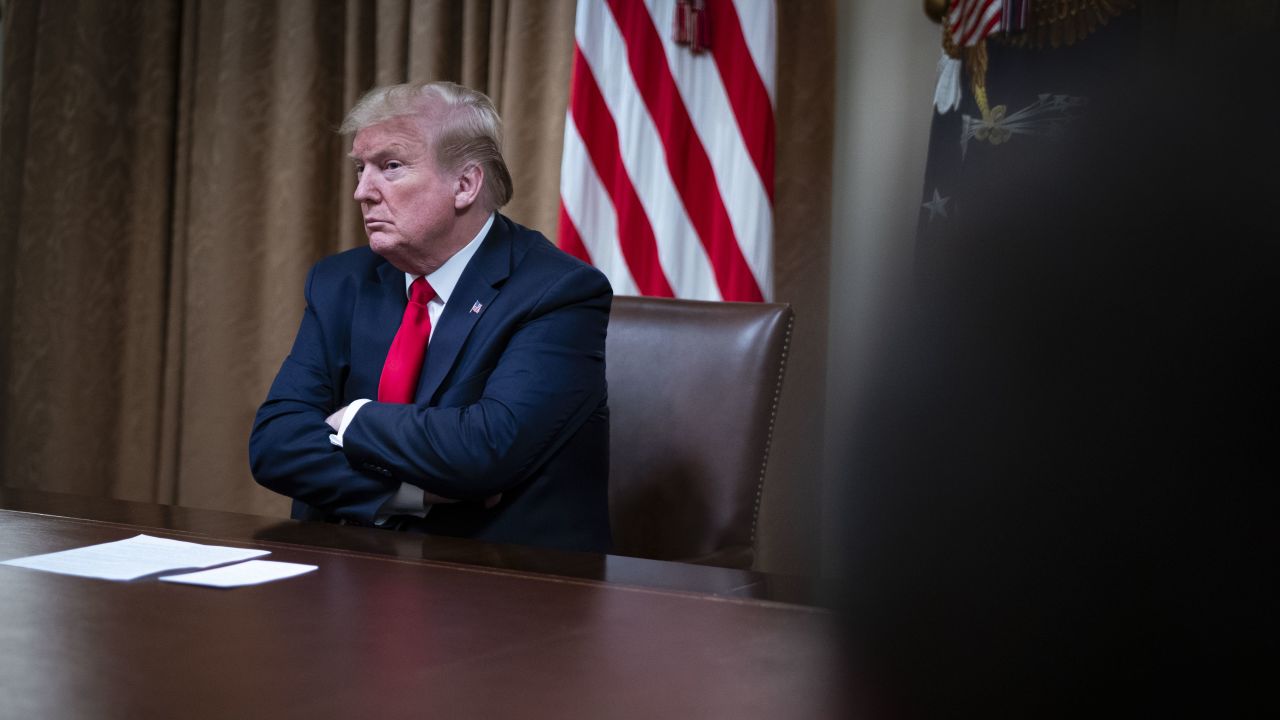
(511, 399)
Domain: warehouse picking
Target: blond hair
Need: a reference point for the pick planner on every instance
(461, 125)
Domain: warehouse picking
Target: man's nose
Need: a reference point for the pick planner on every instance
(366, 191)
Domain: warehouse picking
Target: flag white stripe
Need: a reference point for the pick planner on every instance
(683, 257)
(740, 186)
(975, 34)
(758, 19)
(962, 18)
(589, 207)
(970, 17)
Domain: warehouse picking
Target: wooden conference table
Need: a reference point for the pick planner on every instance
(395, 625)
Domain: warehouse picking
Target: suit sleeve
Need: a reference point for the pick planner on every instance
(548, 381)
(289, 448)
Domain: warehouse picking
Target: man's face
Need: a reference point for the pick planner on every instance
(408, 205)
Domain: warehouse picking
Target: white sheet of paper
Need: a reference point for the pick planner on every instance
(134, 558)
(245, 573)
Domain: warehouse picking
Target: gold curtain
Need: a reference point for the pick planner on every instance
(170, 171)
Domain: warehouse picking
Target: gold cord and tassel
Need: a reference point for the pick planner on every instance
(975, 64)
(1052, 24)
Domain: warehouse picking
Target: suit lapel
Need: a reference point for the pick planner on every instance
(379, 309)
(479, 285)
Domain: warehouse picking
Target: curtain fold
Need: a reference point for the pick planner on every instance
(87, 138)
(170, 171)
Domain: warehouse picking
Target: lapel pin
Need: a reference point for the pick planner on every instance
(475, 309)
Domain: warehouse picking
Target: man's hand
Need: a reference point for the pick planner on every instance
(335, 420)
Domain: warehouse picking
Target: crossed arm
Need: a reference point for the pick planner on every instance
(335, 422)
(488, 432)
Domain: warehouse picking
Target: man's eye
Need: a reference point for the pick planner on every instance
(394, 165)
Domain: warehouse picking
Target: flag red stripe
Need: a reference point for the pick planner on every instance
(746, 90)
(687, 159)
(969, 10)
(600, 135)
(570, 239)
(975, 21)
(983, 28)
(958, 14)
(991, 25)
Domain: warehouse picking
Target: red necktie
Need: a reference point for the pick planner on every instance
(404, 360)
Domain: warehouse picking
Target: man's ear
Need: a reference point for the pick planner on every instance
(467, 185)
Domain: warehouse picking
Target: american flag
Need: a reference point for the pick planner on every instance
(971, 21)
(666, 181)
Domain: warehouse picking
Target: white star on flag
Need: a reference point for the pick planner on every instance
(936, 206)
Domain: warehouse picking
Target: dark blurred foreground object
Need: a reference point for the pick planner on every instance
(1063, 485)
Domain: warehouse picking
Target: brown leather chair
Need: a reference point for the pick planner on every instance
(693, 392)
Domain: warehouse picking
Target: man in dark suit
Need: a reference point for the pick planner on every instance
(501, 431)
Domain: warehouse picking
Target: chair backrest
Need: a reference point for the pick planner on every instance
(693, 391)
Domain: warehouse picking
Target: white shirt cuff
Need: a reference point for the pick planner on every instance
(347, 417)
(406, 501)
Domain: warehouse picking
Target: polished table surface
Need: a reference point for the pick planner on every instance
(395, 623)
